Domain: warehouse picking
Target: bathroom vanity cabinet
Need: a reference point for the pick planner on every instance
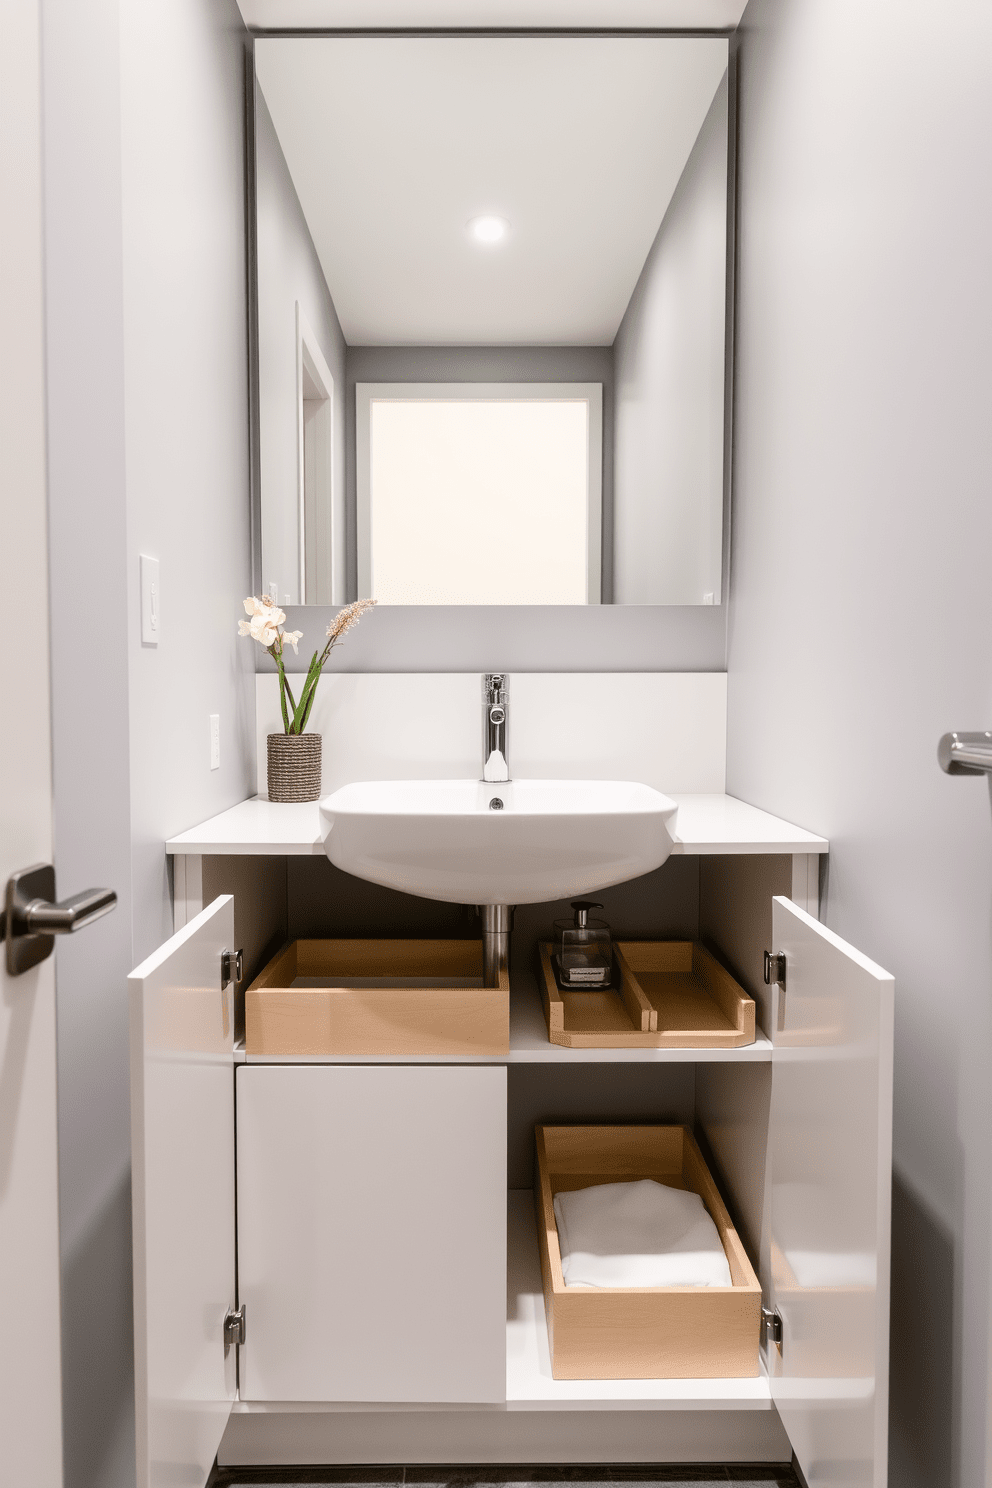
(336, 1260)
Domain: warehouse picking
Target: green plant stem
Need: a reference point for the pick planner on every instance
(282, 686)
(312, 695)
(309, 692)
(313, 677)
(301, 711)
(285, 691)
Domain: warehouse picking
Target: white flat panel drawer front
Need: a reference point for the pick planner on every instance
(372, 1233)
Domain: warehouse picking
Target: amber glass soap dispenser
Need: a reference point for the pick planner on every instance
(583, 949)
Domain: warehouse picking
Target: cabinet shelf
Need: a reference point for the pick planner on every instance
(529, 1382)
(529, 1044)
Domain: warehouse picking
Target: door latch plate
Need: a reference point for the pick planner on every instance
(775, 968)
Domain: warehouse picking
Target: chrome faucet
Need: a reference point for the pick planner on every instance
(495, 763)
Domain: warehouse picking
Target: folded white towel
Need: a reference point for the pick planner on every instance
(641, 1234)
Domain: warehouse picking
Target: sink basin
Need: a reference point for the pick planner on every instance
(550, 839)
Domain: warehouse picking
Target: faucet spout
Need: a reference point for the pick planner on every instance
(495, 759)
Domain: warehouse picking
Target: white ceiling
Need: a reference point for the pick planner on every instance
(395, 143)
(317, 15)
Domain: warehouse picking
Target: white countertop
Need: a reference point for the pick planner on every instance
(705, 824)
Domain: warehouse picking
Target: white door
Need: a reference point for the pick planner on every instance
(830, 1160)
(182, 1156)
(372, 1232)
(30, 1366)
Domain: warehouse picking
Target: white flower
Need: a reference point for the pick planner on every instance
(261, 629)
(264, 606)
(292, 636)
(263, 626)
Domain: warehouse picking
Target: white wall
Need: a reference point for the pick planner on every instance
(669, 371)
(861, 627)
(288, 272)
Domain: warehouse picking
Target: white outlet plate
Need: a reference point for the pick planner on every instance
(215, 741)
(151, 602)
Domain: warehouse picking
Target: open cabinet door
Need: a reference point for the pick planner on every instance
(830, 1160)
(182, 1152)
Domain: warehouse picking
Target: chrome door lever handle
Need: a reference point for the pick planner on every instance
(72, 914)
(965, 753)
(32, 918)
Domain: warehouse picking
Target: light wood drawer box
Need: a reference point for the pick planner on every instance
(641, 1332)
(377, 997)
(673, 995)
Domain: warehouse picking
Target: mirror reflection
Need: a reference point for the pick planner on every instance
(491, 302)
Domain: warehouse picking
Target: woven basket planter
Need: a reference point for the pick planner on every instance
(294, 767)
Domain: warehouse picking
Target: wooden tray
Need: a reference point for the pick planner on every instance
(641, 1332)
(325, 997)
(673, 995)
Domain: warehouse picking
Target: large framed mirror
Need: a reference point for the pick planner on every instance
(492, 297)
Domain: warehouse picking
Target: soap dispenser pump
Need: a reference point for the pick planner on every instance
(583, 949)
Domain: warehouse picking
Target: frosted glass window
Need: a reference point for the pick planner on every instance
(478, 499)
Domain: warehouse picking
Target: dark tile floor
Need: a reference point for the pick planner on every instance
(711, 1475)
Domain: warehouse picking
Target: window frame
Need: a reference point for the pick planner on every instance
(591, 393)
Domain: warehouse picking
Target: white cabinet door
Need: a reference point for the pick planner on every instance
(830, 1160)
(372, 1232)
(182, 1146)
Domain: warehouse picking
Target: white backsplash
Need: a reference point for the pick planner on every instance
(667, 729)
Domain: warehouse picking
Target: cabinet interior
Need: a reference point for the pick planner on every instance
(725, 901)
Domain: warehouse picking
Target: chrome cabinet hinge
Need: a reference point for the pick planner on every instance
(232, 967)
(771, 1327)
(234, 1328)
(775, 973)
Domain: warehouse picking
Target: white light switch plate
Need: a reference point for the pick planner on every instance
(151, 596)
(215, 741)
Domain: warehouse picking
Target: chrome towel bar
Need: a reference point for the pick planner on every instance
(966, 754)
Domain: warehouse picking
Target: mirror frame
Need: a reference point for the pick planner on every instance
(730, 324)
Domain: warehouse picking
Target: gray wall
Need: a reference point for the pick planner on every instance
(670, 369)
(288, 271)
(860, 609)
(148, 452)
(89, 618)
(185, 328)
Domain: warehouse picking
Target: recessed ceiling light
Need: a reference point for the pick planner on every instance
(489, 230)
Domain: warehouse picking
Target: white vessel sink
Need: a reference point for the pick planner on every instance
(443, 839)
